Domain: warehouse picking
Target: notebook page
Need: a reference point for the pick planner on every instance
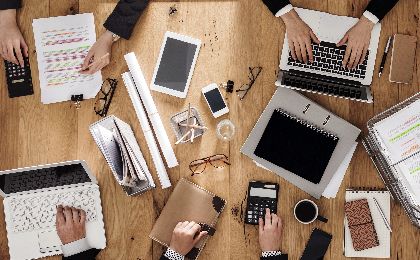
(384, 236)
(400, 133)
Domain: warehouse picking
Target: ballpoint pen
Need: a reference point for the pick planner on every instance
(383, 215)
(381, 67)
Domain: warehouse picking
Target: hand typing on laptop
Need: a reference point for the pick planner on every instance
(357, 39)
(300, 36)
(71, 224)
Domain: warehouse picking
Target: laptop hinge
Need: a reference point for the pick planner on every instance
(312, 82)
(51, 189)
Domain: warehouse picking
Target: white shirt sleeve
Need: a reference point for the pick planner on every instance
(270, 253)
(75, 247)
(371, 17)
(284, 10)
(173, 255)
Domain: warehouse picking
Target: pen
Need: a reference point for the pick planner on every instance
(97, 61)
(383, 215)
(381, 67)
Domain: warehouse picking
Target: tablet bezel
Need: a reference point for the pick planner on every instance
(166, 90)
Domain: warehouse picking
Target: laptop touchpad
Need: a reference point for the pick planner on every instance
(49, 241)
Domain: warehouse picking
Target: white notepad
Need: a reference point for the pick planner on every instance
(384, 235)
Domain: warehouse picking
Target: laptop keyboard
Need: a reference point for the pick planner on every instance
(39, 212)
(46, 178)
(328, 58)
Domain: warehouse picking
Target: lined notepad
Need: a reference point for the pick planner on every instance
(384, 235)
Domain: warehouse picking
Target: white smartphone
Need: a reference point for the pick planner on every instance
(215, 100)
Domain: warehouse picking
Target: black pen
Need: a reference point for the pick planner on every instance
(381, 67)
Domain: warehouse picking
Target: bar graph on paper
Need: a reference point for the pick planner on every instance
(62, 44)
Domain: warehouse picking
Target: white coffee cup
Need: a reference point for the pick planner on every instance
(306, 212)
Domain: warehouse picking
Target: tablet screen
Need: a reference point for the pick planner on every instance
(175, 65)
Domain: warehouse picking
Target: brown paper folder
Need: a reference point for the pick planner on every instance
(188, 202)
(403, 58)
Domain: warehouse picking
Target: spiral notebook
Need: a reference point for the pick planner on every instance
(383, 250)
(296, 145)
(309, 125)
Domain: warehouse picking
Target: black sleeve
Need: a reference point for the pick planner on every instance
(163, 257)
(275, 5)
(380, 7)
(10, 4)
(86, 255)
(279, 257)
(124, 17)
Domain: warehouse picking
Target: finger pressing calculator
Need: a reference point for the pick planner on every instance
(19, 80)
(260, 196)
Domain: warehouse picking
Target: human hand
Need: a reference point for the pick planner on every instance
(270, 233)
(185, 236)
(99, 55)
(11, 39)
(70, 224)
(357, 39)
(299, 36)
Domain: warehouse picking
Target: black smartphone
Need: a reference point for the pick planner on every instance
(317, 245)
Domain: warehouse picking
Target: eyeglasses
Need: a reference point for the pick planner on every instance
(217, 161)
(105, 96)
(253, 74)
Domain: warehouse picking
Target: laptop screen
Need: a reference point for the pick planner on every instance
(49, 177)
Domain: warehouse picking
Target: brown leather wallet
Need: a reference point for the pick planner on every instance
(403, 58)
(188, 202)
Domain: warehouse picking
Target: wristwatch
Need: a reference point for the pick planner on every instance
(115, 37)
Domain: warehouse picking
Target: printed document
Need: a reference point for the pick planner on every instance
(62, 44)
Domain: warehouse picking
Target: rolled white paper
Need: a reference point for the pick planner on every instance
(147, 131)
(151, 109)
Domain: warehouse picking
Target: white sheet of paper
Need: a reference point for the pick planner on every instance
(335, 182)
(400, 133)
(61, 44)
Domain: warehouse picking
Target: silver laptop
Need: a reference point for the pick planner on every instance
(31, 195)
(326, 75)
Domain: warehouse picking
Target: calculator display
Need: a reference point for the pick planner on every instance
(265, 193)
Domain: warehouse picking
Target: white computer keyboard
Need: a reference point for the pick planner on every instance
(39, 212)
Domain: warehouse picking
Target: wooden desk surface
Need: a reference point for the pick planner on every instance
(235, 35)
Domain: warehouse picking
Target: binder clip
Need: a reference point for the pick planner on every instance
(228, 86)
(172, 10)
(77, 100)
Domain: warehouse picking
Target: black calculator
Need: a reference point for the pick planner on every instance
(19, 80)
(261, 196)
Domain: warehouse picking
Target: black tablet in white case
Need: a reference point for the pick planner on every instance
(175, 65)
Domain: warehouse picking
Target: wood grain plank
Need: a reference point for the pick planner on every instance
(235, 35)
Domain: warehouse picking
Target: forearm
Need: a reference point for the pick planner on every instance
(7, 17)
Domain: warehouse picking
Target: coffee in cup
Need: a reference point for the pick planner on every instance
(306, 212)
